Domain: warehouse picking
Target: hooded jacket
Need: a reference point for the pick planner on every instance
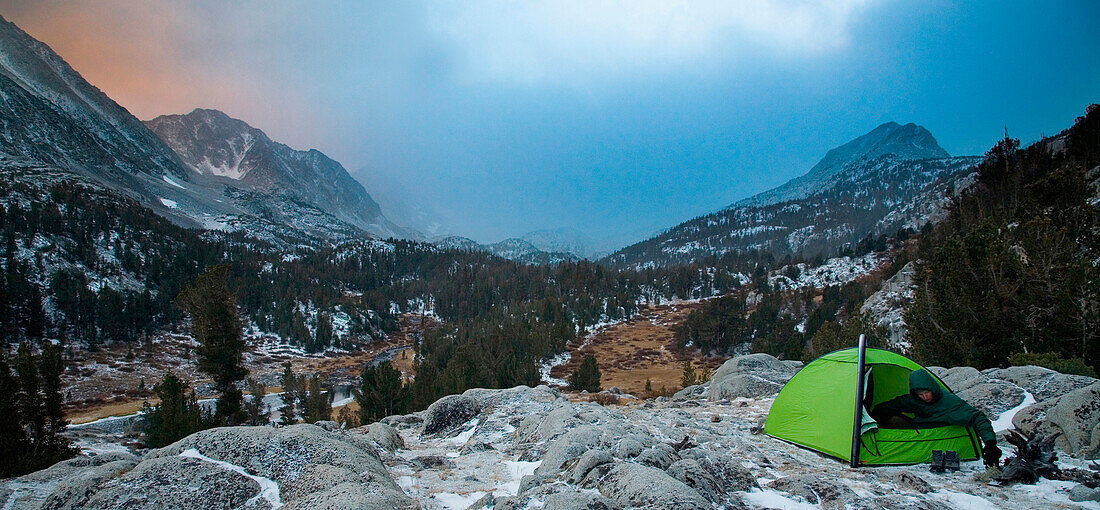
(946, 408)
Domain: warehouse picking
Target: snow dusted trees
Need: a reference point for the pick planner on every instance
(255, 408)
(217, 327)
(303, 397)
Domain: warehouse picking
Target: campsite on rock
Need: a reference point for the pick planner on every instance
(549, 255)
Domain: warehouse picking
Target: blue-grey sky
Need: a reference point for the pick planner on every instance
(614, 118)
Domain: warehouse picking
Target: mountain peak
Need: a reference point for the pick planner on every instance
(903, 141)
(908, 141)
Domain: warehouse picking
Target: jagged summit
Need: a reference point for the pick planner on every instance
(219, 147)
(904, 142)
(211, 142)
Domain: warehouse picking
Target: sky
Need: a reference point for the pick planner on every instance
(612, 118)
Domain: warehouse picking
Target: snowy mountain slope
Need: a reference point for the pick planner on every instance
(844, 198)
(221, 149)
(51, 117)
(45, 99)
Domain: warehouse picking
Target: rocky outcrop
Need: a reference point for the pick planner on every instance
(177, 482)
(449, 412)
(1064, 405)
(749, 376)
(301, 466)
(1075, 417)
(67, 484)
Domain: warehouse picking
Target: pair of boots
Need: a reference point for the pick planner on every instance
(942, 460)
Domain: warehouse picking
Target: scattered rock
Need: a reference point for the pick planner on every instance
(897, 502)
(403, 420)
(530, 482)
(752, 375)
(659, 459)
(577, 500)
(568, 447)
(355, 495)
(449, 412)
(912, 482)
(384, 436)
(475, 446)
(992, 397)
(635, 485)
(726, 467)
(959, 378)
(1042, 383)
(589, 460)
(815, 490)
(1075, 416)
(486, 501)
(328, 425)
(699, 476)
(430, 461)
(1081, 493)
(628, 448)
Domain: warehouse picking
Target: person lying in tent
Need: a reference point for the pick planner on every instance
(931, 406)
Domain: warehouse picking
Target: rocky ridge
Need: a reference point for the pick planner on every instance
(535, 448)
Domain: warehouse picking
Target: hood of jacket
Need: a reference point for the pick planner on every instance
(922, 380)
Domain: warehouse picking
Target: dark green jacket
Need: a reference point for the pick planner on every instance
(946, 408)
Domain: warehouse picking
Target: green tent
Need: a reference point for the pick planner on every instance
(816, 409)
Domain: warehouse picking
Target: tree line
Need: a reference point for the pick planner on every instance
(1012, 271)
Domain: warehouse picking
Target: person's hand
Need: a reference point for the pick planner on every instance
(991, 455)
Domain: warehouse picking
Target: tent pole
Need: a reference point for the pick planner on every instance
(857, 422)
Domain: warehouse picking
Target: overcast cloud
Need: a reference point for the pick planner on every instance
(615, 118)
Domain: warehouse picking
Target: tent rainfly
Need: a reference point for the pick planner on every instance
(816, 409)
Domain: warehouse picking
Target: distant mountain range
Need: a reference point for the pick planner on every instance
(203, 169)
(514, 249)
(890, 178)
(208, 170)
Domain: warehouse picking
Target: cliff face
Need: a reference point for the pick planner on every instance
(529, 447)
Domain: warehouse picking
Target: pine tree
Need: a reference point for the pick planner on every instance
(380, 393)
(254, 405)
(178, 414)
(323, 338)
(292, 389)
(14, 442)
(51, 366)
(587, 377)
(217, 327)
(316, 404)
(687, 377)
